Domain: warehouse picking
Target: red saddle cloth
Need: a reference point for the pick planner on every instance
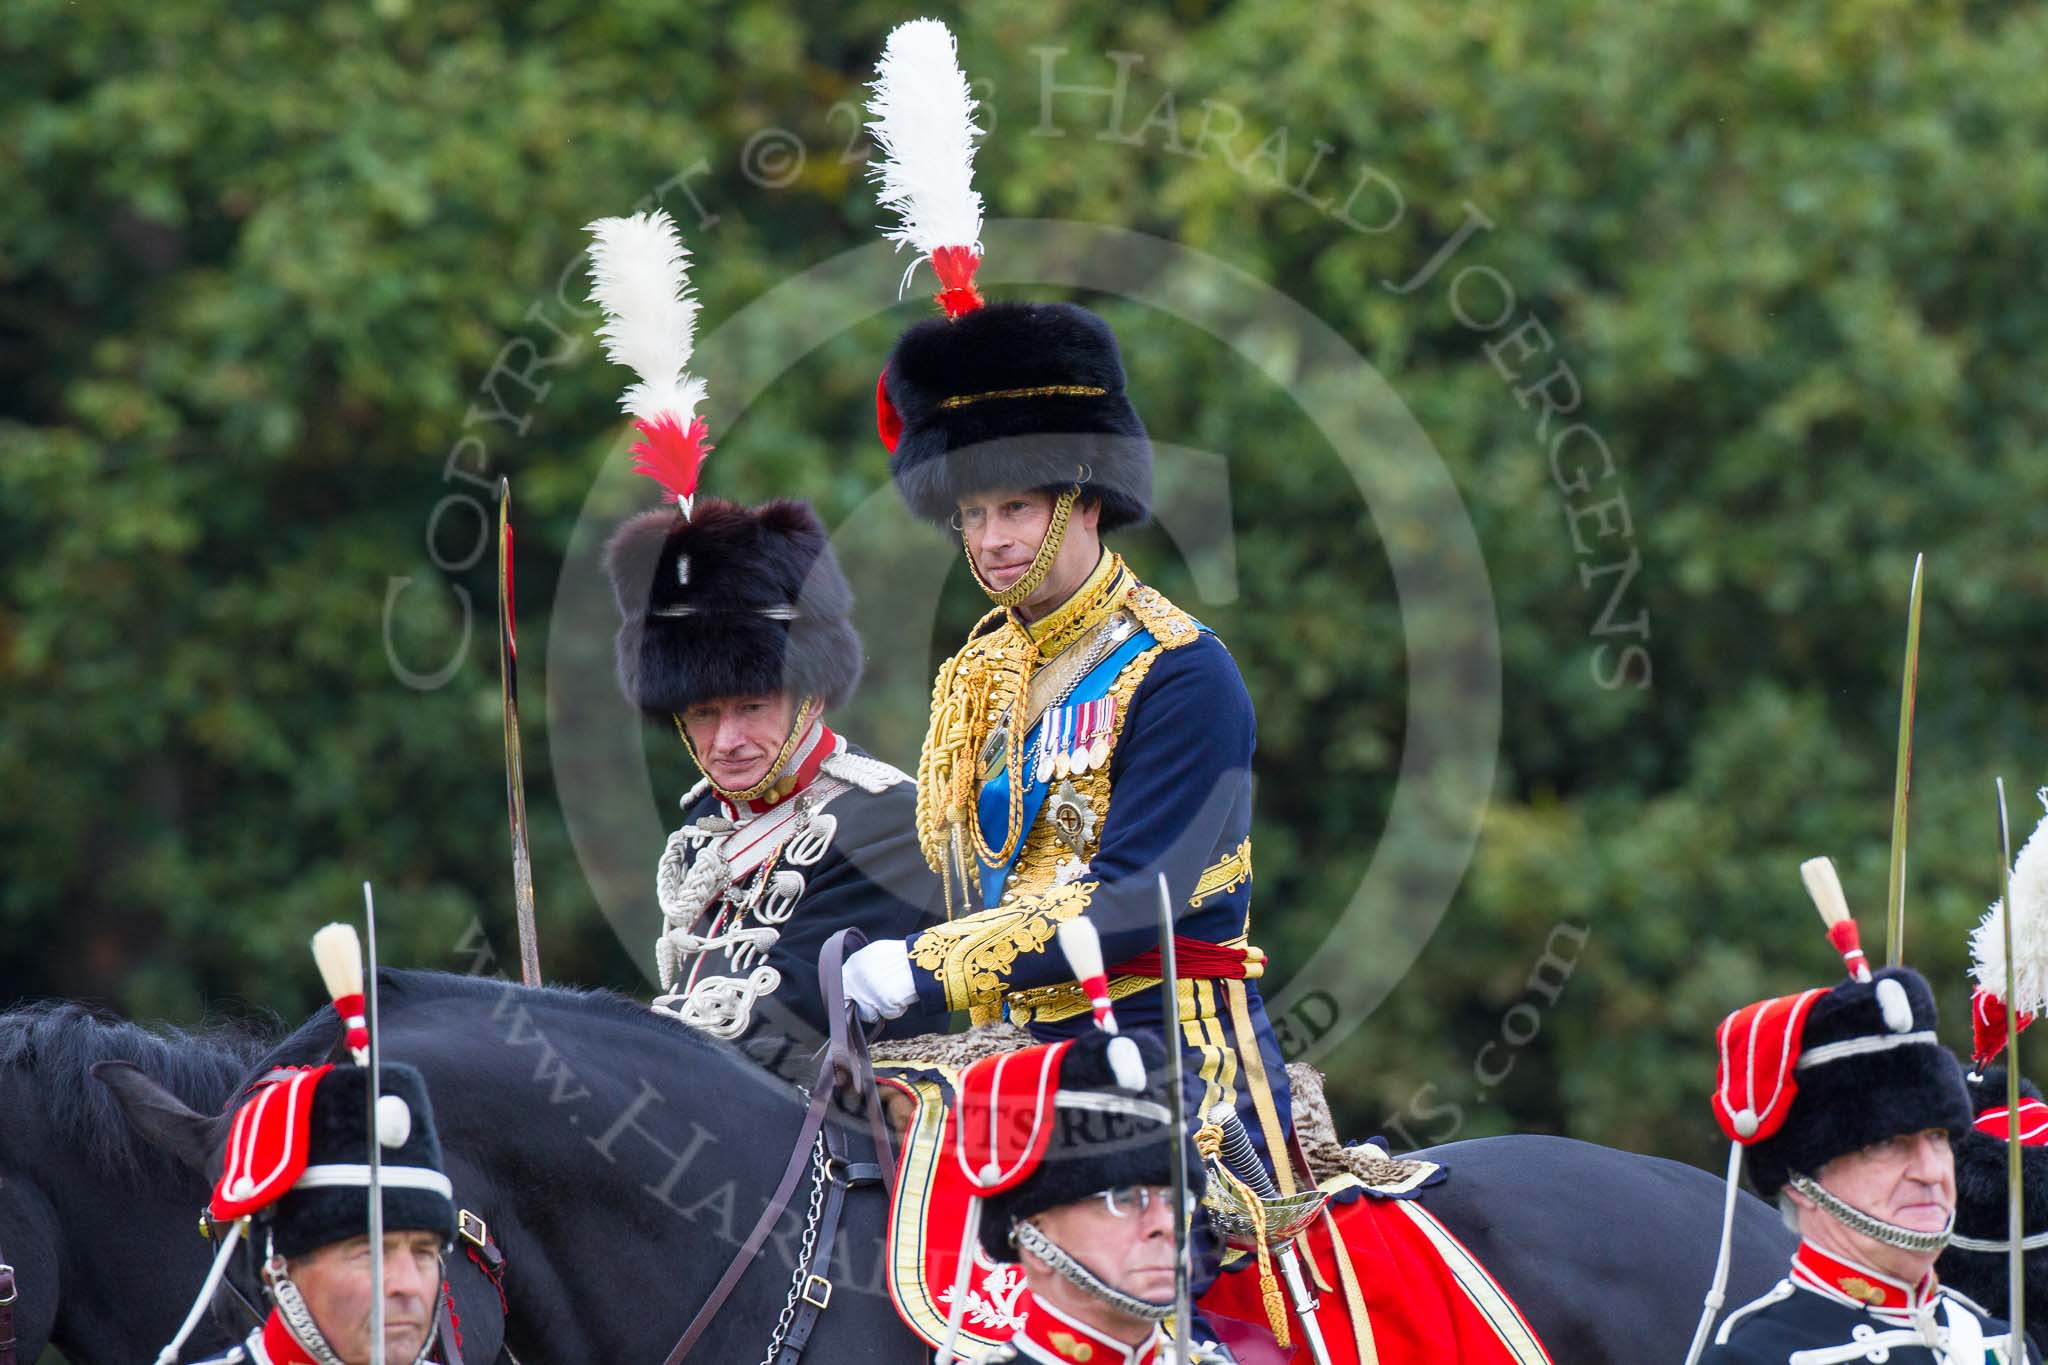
(1402, 1289)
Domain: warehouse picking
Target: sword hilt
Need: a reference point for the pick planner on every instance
(1238, 1155)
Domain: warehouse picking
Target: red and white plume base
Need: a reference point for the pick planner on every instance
(2029, 911)
(921, 116)
(639, 272)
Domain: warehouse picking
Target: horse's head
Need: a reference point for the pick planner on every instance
(100, 1226)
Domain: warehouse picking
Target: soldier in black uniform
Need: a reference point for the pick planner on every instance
(736, 635)
(1845, 1106)
(736, 638)
(309, 1217)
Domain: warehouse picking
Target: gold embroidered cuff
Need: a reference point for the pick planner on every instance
(972, 957)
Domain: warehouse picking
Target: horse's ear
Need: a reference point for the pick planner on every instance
(160, 1116)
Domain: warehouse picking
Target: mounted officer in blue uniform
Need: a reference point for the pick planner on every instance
(1090, 735)
(736, 636)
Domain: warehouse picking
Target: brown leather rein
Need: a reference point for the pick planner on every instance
(844, 1069)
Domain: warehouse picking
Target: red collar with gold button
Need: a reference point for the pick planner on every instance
(1050, 1335)
(1849, 1282)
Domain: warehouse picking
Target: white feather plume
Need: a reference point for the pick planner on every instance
(639, 271)
(921, 116)
(2029, 927)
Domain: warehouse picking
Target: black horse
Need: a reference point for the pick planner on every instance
(621, 1159)
(103, 1228)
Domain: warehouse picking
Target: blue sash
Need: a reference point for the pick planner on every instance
(993, 807)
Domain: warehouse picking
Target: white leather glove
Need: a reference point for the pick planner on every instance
(878, 980)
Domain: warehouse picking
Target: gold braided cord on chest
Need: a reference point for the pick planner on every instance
(976, 693)
(972, 956)
(978, 688)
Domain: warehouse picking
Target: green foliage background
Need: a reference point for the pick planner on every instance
(256, 265)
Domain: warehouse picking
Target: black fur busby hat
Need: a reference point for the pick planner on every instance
(992, 395)
(1974, 1262)
(315, 1213)
(1867, 1068)
(1111, 1138)
(730, 601)
(1014, 395)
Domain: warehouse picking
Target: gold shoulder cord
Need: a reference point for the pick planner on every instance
(800, 727)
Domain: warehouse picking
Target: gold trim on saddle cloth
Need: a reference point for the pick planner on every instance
(922, 1151)
(1506, 1320)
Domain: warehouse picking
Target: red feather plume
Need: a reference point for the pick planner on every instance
(671, 455)
(955, 267)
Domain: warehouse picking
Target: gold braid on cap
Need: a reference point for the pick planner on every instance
(961, 400)
(798, 728)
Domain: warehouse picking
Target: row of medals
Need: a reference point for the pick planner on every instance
(1091, 724)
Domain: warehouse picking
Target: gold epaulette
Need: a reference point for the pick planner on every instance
(1169, 625)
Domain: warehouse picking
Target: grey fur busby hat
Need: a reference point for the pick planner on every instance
(730, 601)
(715, 600)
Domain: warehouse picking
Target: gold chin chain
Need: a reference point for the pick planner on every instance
(1041, 563)
(798, 728)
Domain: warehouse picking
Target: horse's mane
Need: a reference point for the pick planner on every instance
(400, 987)
(57, 1042)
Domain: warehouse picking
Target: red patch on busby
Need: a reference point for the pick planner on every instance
(1987, 1026)
(2033, 1123)
(1006, 1116)
(1759, 1046)
(888, 421)
(267, 1144)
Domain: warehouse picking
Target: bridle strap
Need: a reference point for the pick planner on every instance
(444, 1325)
(845, 1063)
